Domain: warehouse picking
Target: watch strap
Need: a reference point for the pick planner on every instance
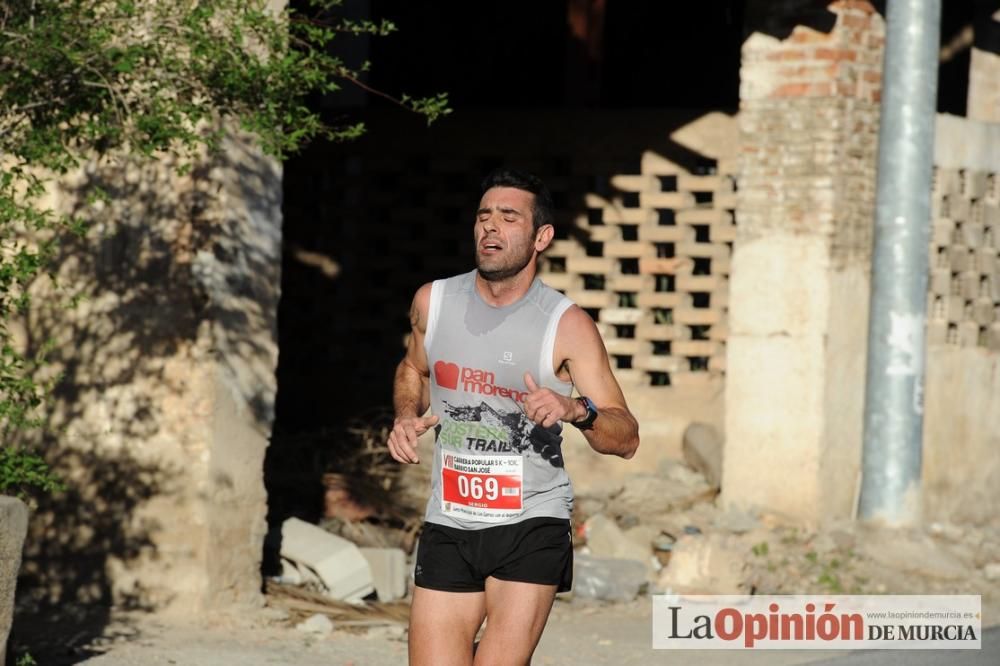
(587, 422)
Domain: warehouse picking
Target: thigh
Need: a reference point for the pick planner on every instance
(443, 626)
(516, 614)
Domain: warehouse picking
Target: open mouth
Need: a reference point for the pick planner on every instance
(490, 247)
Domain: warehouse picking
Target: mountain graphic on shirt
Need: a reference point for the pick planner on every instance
(523, 433)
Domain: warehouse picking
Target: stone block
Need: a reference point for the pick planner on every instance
(592, 298)
(389, 572)
(13, 528)
(625, 316)
(339, 563)
(590, 265)
(655, 233)
(654, 363)
(637, 283)
(624, 346)
(702, 448)
(606, 540)
(316, 624)
(704, 565)
(608, 579)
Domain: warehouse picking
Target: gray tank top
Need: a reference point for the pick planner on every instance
(492, 465)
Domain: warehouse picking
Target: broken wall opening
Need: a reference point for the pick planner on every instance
(367, 223)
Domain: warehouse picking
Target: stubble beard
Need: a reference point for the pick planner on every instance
(504, 272)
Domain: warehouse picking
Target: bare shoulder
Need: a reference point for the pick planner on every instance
(420, 307)
(576, 327)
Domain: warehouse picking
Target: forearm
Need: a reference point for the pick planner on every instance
(615, 432)
(408, 391)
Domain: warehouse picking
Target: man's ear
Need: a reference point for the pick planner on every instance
(543, 237)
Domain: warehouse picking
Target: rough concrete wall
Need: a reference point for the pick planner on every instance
(13, 527)
(809, 114)
(961, 465)
(961, 468)
(162, 416)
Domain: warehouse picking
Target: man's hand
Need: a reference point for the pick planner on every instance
(545, 407)
(403, 438)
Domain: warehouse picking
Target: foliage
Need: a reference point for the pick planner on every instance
(21, 469)
(85, 79)
(26, 660)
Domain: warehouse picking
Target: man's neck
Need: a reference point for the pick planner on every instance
(504, 292)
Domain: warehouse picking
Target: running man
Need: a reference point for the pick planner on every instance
(502, 353)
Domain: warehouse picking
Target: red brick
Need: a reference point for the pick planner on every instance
(836, 54)
(847, 89)
(808, 72)
(873, 77)
(788, 54)
(859, 5)
(803, 90)
(854, 21)
(791, 90)
(803, 35)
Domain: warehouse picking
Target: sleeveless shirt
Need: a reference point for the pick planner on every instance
(492, 465)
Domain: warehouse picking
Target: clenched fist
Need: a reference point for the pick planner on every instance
(403, 438)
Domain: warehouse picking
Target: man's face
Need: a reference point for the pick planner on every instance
(505, 237)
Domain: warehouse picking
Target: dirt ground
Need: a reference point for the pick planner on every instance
(845, 559)
(578, 633)
(667, 519)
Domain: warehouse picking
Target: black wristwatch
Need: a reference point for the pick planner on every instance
(587, 422)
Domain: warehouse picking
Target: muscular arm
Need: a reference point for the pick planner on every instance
(408, 395)
(409, 388)
(579, 344)
(582, 356)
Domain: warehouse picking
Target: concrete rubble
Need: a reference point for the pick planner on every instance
(390, 572)
(702, 448)
(338, 563)
(316, 624)
(712, 564)
(608, 579)
(666, 532)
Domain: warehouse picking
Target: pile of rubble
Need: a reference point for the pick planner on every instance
(663, 532)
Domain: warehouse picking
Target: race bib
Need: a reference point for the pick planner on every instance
(484, 488)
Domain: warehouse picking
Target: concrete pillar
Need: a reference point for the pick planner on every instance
(984, 66)
(809, 96)
(13, 526)
(164, 410)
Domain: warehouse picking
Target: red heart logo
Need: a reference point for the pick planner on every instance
(446, 375)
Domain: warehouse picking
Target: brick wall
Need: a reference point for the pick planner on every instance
(809, 124)
(964, 299)
(654, 269)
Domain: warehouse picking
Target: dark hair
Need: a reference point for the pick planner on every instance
(543, 210)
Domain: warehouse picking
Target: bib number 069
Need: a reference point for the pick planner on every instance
(477, 487)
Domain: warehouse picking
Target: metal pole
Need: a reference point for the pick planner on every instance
(893, 422)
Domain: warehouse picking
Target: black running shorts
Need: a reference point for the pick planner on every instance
(536, 550)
